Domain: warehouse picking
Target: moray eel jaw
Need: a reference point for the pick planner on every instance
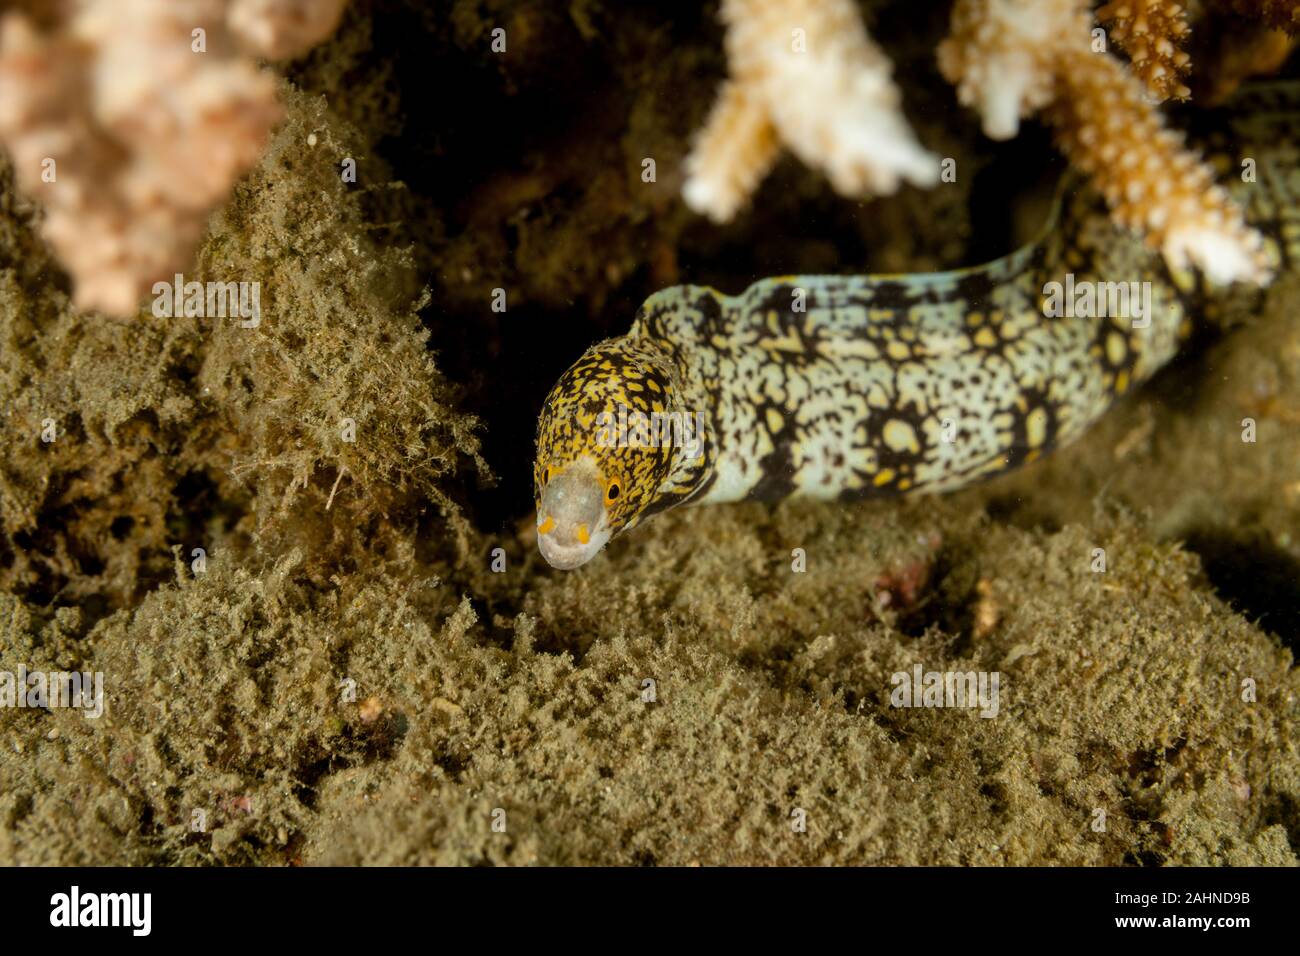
(572, 524)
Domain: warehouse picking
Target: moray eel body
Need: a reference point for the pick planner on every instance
(841, 387)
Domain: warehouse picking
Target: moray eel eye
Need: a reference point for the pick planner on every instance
(572, 523)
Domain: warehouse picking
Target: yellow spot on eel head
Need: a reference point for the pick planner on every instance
(1115, 348)
(547, 526)
(884, 477)
(583, 535)
(900, 436)
(898, 351)
(1036, 427)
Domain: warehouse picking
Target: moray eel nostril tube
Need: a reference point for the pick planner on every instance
(842, 387)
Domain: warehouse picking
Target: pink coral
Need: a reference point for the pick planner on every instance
(133, 119)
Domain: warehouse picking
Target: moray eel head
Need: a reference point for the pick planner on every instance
(595, 475)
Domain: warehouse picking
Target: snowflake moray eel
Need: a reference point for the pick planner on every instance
(842, 387)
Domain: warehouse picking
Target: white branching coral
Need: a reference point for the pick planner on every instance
(132, 121)
(804, 74)
(1104, 123)
(1002, 56)
(732, 154)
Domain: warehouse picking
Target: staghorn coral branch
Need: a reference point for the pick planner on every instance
(1151, 183)
(1152, 33)
(806, 74)
(1009, 58)
(130, 131)
(734, 151)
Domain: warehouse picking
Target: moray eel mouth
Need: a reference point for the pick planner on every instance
(572, 524)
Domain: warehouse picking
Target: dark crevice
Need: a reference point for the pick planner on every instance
(1253, 574)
